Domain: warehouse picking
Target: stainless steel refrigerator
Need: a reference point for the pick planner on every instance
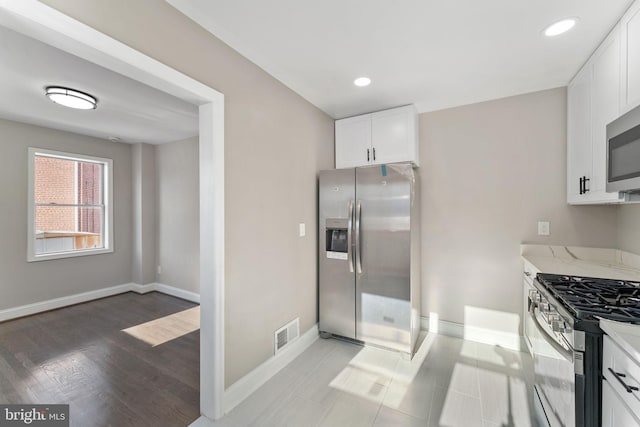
(369, 255)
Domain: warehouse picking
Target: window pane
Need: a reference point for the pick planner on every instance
(65, 181)
(55, 180)
(68, 229)
(89, 183)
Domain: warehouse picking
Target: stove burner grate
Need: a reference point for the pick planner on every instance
(586, 297)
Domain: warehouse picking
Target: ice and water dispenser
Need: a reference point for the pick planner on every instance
(337, 238)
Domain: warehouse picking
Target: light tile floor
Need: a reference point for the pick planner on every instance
(449, 383)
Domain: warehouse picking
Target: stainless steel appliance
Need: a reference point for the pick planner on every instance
(369, 255)
(566, 343)
(623, 153)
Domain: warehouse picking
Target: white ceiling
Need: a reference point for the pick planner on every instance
(127, 109)
(433, 53)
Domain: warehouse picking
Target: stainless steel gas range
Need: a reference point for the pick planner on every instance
(566, 343)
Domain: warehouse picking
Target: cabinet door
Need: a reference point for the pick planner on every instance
(393, 135)
(630, 35)
(614, 412)
(593, 102)
(579, 157)
(605, 105)
(353, 142)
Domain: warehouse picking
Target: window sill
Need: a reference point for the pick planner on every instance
(59, 255)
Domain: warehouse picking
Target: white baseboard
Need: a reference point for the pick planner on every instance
(206, 422)
(166, 289)
(473, 333)
(443, 327)
(493, 337)
(246, 385)
(39, 307)
(52, 304)
(177, 292)
(142, 289)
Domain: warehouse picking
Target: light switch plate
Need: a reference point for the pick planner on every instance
(543, 228)
(302, 229)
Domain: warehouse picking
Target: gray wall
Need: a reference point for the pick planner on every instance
(275, 142)
(144, 213)
(25, 283)
(178, 216)
(490, 171)
(629, 228)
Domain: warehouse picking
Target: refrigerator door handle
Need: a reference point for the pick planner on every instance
(349, 238)
(358, 250)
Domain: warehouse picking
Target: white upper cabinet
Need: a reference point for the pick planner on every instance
(630, 61)
(387, 136)
(605, 106)
(579, 155)
(393, 135)
(353, 141)
(607, 87)
(593, 100)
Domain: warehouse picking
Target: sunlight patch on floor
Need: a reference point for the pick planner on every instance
(167, 328)
(375, 373)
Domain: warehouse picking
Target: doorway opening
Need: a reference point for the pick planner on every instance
(45, 24)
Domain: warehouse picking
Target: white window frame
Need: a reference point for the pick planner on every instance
(107, 232)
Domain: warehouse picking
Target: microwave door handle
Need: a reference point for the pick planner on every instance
(349, 237)
(567, 354)
(358, 237)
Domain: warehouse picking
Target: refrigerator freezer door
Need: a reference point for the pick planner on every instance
(383, 251)
(337, 277)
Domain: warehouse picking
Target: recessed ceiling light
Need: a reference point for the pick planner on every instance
(71, 98)
(560, 27)
(362, 81)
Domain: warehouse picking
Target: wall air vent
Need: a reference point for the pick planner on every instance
(286, 334)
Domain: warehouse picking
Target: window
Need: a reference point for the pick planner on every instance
(70, 205)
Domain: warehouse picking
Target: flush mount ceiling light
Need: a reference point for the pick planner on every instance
(560, 27)
(71, 98)
(362, 81)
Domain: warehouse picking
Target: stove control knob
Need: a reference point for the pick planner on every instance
(544, 307)
(535, 295)
(559, 326)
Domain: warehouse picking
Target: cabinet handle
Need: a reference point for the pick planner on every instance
(585, 184)
(619, 376)
(581, 185)
(374, 154)
(368, 155)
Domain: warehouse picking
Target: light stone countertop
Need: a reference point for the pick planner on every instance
(626, 335)
(581, 261)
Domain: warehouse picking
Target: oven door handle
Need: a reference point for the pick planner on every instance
(567, 354)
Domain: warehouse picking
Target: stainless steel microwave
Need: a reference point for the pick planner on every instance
(623, 153)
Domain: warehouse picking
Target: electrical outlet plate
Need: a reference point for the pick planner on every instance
(543, 228)
(302, 229)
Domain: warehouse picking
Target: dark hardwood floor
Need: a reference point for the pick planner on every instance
(80, 356)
